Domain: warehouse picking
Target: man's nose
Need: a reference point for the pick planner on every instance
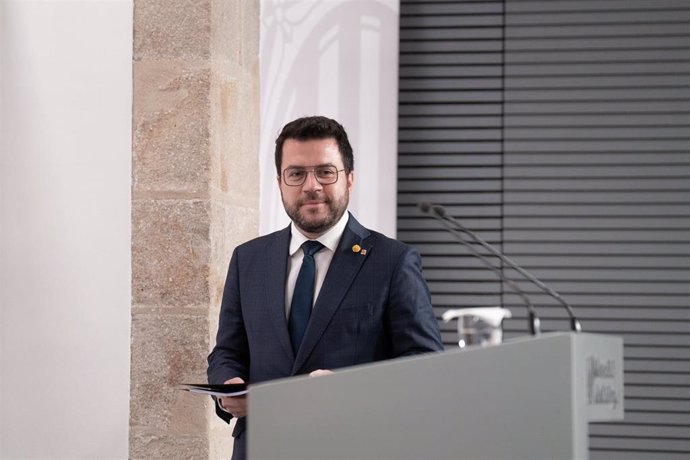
(310, 183)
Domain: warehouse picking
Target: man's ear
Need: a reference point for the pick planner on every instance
(350, 180)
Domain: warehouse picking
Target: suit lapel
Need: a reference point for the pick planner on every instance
(276, 276)
(342, 271)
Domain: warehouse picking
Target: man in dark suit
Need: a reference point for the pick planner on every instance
(292, 306)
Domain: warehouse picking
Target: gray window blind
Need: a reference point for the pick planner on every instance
(450, 141)
(560, 131)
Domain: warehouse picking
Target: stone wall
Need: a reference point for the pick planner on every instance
(195, 196)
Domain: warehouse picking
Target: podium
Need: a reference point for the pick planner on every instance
(528, 398)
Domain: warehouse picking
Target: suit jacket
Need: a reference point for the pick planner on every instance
(373, 305)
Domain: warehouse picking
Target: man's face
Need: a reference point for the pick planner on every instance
(314, 207)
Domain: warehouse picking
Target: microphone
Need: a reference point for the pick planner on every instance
(534, 322)
(441, 213)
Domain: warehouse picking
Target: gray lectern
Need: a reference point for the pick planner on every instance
(529, 398)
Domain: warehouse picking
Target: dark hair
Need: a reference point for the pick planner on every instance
(310, 128)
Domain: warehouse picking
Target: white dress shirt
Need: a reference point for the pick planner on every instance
(322, 259)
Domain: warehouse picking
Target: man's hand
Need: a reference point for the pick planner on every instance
(320, 372)
(236, 405)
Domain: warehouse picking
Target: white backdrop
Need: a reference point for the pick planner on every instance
(337, 58)
(65, 168)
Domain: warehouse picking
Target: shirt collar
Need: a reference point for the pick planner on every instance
(330, 239)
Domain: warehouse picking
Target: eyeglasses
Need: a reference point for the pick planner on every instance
(324, 175)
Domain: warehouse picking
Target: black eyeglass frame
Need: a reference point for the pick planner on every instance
(313, 171)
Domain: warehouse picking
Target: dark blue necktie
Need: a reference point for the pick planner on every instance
(303, 295)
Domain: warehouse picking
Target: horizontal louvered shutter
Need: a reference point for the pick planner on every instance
(568, 146)
(450, 152)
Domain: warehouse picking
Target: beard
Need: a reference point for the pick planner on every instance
(311, 222)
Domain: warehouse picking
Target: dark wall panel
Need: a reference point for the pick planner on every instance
(560, 131)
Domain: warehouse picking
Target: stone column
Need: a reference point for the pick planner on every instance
(195, 196)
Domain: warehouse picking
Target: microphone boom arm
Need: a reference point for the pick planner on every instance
(534, 322)
(574, 322)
